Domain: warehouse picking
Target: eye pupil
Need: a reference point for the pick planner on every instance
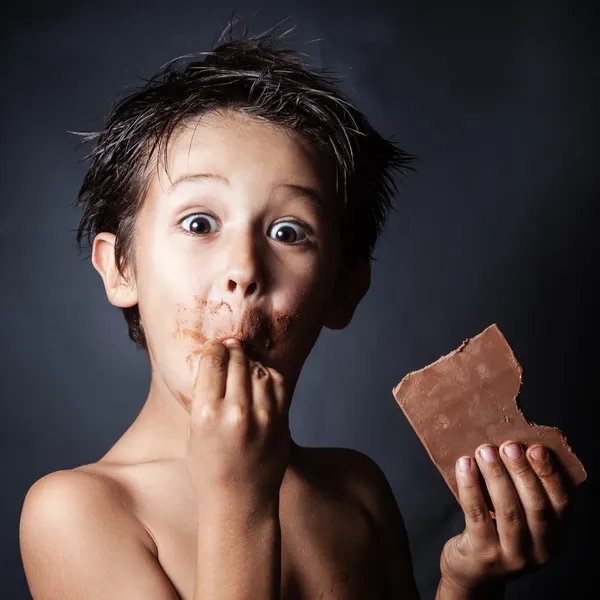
(198, 229)
(283, 237)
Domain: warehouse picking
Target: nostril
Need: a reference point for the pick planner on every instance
(251, 289)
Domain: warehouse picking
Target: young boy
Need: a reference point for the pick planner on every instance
(234, 204)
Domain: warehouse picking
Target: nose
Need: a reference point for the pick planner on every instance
(243, 271)
(246, 289)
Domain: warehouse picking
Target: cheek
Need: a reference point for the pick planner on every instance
(166, 294)
(169, 272)
(307, 295)
(160, 284)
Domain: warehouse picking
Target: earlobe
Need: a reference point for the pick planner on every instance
(120, 292)
(352, 286)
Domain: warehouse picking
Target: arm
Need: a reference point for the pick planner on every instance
(239, 552)
(78, 540)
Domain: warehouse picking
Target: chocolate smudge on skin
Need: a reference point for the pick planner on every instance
(259, 332)
(187, 402)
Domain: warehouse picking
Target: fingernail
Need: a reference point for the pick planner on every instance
(512, 450)
(232, 342)
(464, 465)
(488, 453)
(538, 453)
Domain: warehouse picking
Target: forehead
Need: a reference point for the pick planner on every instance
(219, 141)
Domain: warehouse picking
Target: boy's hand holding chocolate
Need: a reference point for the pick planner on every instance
(514, 503)
(530, 498)
(239, 437)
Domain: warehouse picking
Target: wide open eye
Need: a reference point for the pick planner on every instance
(287, 233)
(199, 223)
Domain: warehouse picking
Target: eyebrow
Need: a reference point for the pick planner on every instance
(307, 191)
(197, 177)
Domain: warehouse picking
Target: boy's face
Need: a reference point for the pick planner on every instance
(222, 251)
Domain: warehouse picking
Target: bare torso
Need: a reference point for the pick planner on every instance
(329, 550)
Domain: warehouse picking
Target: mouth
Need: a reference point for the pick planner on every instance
(252, 328)
(251, 348)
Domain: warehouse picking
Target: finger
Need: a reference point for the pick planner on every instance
(209, 387)
(281, 397)
(510, 519)
(262, 393)
(534, 499)
(478, 521)
(547, 471)
(237, 391)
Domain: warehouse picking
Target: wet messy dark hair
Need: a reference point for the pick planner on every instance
(255, 75)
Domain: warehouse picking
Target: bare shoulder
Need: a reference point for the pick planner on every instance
(84, 482)
(70, 488)
(362, 477)
(76, 526)
(358, 473)
(83, 492)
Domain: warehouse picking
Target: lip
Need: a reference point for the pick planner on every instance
(245, 341)
(240, 338)
(250, 332)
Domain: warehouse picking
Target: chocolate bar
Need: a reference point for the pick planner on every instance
(468, 398)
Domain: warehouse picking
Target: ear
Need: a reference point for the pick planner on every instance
(352, 285)
(120, 292)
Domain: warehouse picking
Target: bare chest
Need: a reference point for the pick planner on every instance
(328, 546)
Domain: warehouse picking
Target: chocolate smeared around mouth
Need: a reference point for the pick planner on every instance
(258, 331)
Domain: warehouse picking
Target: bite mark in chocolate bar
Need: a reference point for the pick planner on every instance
(468, 398)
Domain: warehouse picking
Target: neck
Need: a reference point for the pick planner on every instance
(159, 432)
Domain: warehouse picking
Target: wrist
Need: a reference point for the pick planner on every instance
(242, 507)
(448, 589)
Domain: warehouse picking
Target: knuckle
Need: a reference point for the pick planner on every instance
(260, 372)
(512, 514)
(205, 414)
(561, 504)
(469, 483)
(476, 512)
(491, 556)
(546, 470)
(264, 415)
(540, 509)
(495, 472)
(237, 414)
(520, 467)
(276, 376)
(517, 563)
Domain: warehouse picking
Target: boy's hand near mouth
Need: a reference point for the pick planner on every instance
(237, 454)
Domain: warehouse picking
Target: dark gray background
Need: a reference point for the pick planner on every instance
(498, 225)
